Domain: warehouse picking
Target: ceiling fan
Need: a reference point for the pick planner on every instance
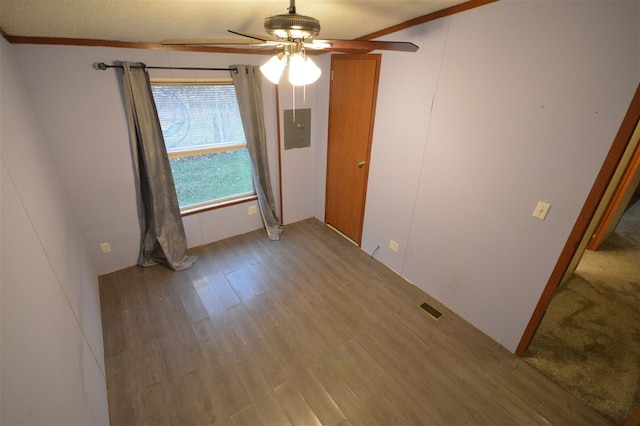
(294, 33)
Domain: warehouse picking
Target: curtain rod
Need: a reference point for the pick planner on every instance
(102, 66)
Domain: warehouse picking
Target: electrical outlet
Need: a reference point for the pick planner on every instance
(253, 210)
(105, 247)
(393, 246)
(541, 210)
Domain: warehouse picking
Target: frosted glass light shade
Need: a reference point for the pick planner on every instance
(302, 70)
(274, 68)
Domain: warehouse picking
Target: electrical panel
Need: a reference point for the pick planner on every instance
(297, 128)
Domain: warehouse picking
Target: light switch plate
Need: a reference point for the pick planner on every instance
(541, 210)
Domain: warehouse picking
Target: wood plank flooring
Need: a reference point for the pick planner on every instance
(307, 330)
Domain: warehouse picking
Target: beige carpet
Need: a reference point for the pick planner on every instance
(589, 340)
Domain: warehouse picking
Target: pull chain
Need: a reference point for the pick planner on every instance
(304, 99)
(304, 95)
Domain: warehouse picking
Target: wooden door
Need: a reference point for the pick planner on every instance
(352, 105)
(623, 194)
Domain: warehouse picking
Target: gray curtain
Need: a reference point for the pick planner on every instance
(248, 83)
(163, 239)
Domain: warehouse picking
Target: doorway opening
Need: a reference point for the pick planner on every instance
(587, 342)
(585, 218)
(589, 282)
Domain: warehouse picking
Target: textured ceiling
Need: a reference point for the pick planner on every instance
(156, 20)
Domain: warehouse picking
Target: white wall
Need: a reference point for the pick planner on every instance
(503, 106)
(82, 112)
(51, 358)
(304, 169)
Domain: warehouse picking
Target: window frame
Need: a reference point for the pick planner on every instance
(205, 149)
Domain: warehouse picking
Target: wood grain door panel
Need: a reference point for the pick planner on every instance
(353, 93)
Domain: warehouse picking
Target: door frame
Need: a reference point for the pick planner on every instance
(607, 210)
(620, 199)
(607, 171)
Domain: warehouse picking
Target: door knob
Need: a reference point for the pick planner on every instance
(361, 164)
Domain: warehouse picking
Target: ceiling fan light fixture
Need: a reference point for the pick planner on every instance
(302, 70)
(292, 25)
(274, 68)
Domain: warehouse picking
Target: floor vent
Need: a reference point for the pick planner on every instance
(431, 310)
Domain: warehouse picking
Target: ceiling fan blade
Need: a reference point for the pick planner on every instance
(366, 45)
(264, 38)
(215, 41)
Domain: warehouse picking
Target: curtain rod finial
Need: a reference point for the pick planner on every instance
(100, 66)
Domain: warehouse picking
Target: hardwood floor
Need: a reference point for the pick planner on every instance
(306, 330)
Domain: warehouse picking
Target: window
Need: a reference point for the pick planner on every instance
(205, 141)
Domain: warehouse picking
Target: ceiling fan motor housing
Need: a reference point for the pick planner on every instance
(292, 26)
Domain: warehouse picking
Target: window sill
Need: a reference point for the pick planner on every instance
(201, 209)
